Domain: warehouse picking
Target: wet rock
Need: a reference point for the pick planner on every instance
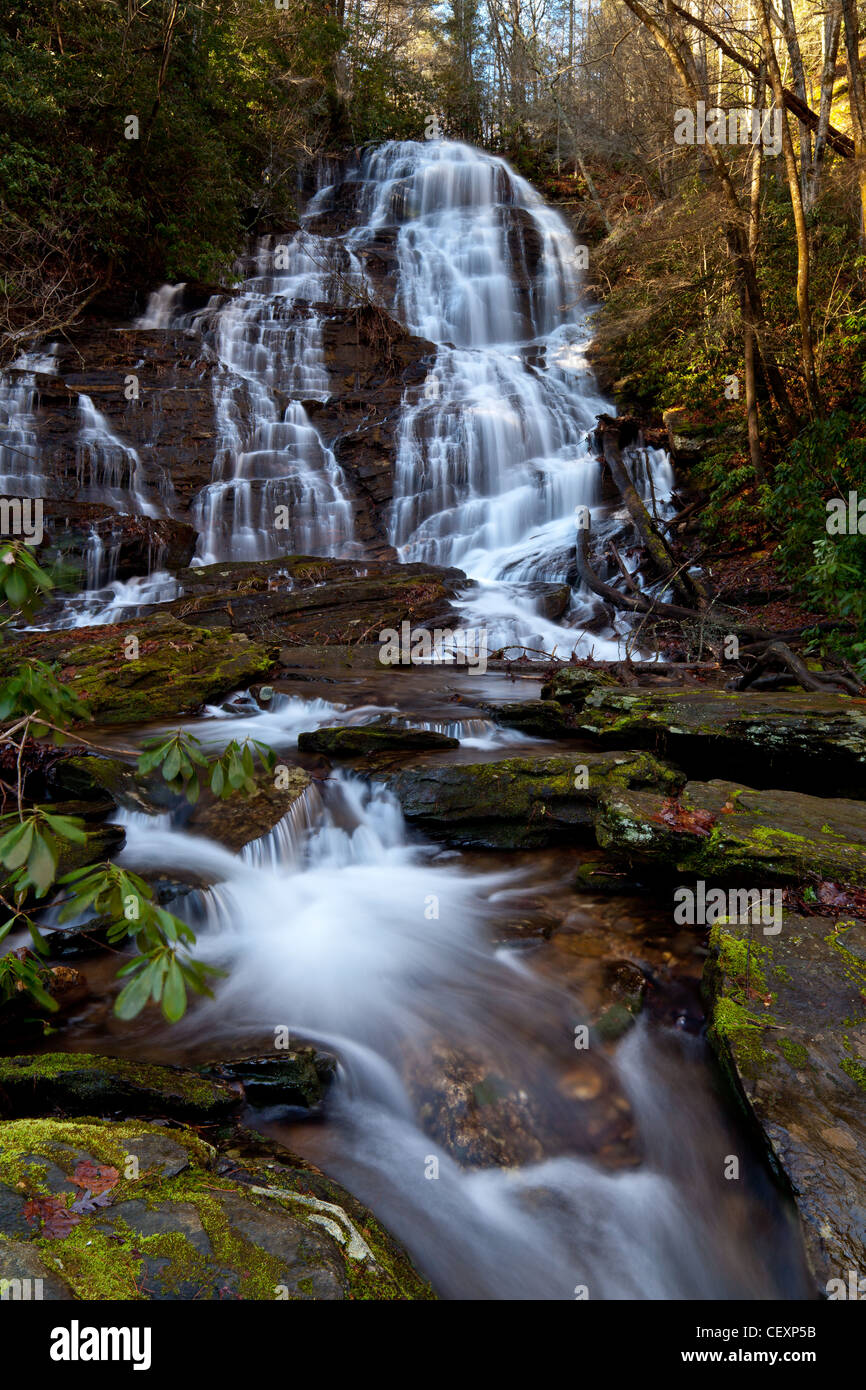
(298, 1078)
(788, 1021)
(486, 1119)
(24, 1275)
(546, 718)
(377, 737)
(518, 802)
(184, 1224)
(241, 818)
(309, 600)
(727, 831)
(80, 1083)
(178, 667)
(788, 739)
(572, 684)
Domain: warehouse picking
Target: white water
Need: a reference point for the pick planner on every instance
(323, 927)
(493, 458)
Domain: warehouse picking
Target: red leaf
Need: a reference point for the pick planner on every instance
(97, 1177)
(56, 1218)
(678, 817)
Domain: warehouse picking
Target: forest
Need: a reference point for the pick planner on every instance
(433, 650)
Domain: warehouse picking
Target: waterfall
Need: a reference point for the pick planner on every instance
(493, 460)
(492, 456)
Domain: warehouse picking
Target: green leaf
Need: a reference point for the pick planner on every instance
(174, 994)
(133, 997)
(41, 865)
(15, 847)
(67, 827)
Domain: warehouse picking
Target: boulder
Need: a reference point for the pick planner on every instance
(787, 1018)
(519, 803)
(178, 667)
(81, 1083)
(380, 736)
(127, 1211)
(298, 1078)
(786, 738)
(726, 831)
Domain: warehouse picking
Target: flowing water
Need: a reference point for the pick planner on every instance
(339, 924)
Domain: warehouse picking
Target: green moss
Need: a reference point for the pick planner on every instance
(793, 1052)
(83, 1073)
(856, 1071)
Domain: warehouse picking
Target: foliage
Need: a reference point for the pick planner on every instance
(35, 706)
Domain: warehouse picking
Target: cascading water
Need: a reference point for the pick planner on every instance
(360, 966)
(276, 485)
(21, 471)
(493, 459)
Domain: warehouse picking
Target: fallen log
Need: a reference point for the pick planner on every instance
(614, 435)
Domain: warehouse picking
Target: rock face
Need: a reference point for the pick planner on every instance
(132, 1210)
(519, 802)
(789, 1022)
(727, 831)
(791, 739)
(178, 667)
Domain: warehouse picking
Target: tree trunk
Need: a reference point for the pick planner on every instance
(804, 309)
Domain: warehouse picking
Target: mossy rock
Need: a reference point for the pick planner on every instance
(242, 818)
(723, 830)
(81, 1083)
(790, 739)
(178, 668)
(572, 684)
(315, 600)
(515, 803)
(176, 1221)
(543, 718)
(298, 1078)
(376, 737)
(788, 1021)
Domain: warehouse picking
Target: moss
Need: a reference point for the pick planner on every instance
(736, 1028)
(793, 1052)
(102, 1139)
(741, 958)
(178, 667)
(69, 1078)
(856, 1071)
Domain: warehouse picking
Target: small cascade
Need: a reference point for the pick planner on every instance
(323, 926)
(276, 485)
(21, 467)
(110, 470)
